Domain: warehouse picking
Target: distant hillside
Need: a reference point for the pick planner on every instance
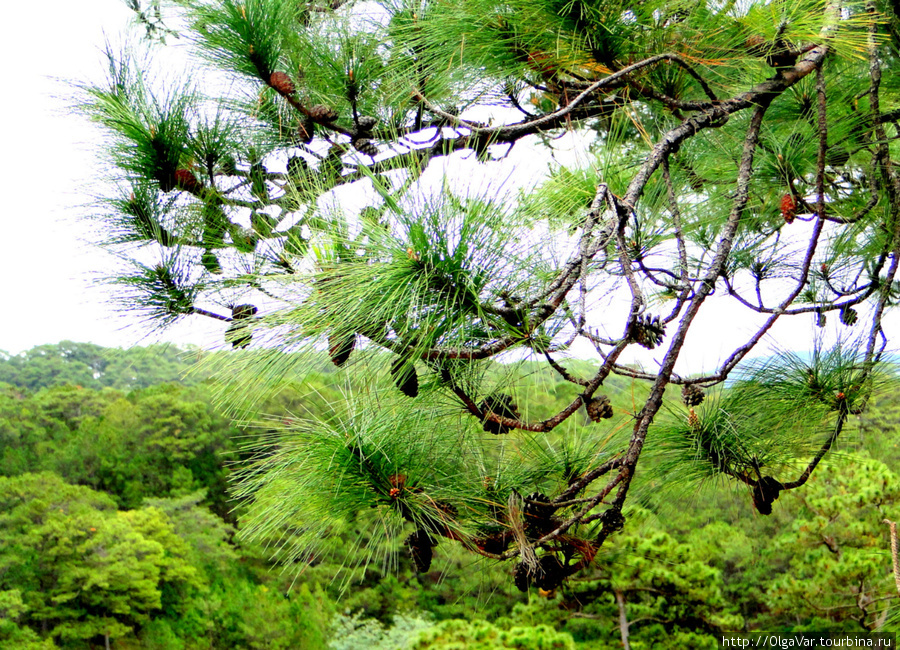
(93, 366)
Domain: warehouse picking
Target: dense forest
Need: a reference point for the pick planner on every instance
(117, 530)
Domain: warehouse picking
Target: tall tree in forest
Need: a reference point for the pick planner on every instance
(743, 149)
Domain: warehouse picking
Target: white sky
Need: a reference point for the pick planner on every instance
(49, 269)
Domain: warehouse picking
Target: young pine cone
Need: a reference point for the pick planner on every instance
(693, 420)
(788, 208)
(185, 180)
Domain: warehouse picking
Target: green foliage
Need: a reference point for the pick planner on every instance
(839, 549)
(350, 632)
(739, 149)
(91, 366)
(481, 635)
(156, 442)
(85, 569)
(779, 408)
(12, 607)
(148, 130)
(247, 37)
(689, 569)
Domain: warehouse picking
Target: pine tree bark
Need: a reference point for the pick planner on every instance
(623, 619)
(895, 552)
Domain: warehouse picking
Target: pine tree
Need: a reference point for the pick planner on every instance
(738, 148)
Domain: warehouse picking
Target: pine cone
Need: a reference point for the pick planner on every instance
(783, 55)
(366, 146)
(613, 520)
(820, 319)
(243, 312)
(496, 544)
(339, 348)
(322, 113)
(788, 208)
(521, 578)
(420, 545)
(550, 574)
(693, 420)
(405, 377)
(185, 180)
(766, 491)
(538, 506)
(848, 316)
(692, 395)
(502, 405)
(647, 331)
(599, 408)
(282, 83)
(238, 334)
(366, 123)
(756, 45)
(297, 167)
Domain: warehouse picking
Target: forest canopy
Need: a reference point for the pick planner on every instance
(116, 526)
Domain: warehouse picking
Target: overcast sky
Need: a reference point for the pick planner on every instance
(51, 272)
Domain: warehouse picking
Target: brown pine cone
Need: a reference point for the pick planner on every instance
(185, 180)
(521, 578)
(599, 408)
(282, 83)
(366, 123)
(502, 405)
(550, 574)
(243, 312)
(420, 545)
(766, 491)
(692, 395)
(322, 113)
(305, 131)
(648, 331)
(366, 146)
